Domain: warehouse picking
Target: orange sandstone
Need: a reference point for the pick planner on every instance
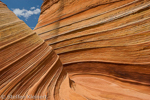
(104, 46)
(98, 41)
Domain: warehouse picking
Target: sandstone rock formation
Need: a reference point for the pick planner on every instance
(104, 46)
(29, 68)
(96, 38)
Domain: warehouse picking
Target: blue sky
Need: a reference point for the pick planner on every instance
(26, 10)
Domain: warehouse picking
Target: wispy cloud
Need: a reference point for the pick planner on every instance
(32, 8)
(26, 13)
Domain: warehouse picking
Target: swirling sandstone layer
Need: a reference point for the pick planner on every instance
(29, 68)
(104, 45)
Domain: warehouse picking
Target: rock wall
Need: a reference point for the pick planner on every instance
(29, 68)
(103, 44)
(97, 38)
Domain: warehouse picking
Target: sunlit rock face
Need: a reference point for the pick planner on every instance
(104, 45)
(29, 68)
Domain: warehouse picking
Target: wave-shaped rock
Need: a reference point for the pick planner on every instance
(29, 68)
(103, 44)
(100, 39)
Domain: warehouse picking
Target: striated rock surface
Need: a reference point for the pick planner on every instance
(104, 46)
(101, 43)
(29, 68)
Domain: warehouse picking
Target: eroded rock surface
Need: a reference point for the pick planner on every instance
(104, 46)
(108, 39)
(29, 68)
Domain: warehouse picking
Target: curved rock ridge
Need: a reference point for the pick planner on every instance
(103, 45)
(29, 68)
(101, 41)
